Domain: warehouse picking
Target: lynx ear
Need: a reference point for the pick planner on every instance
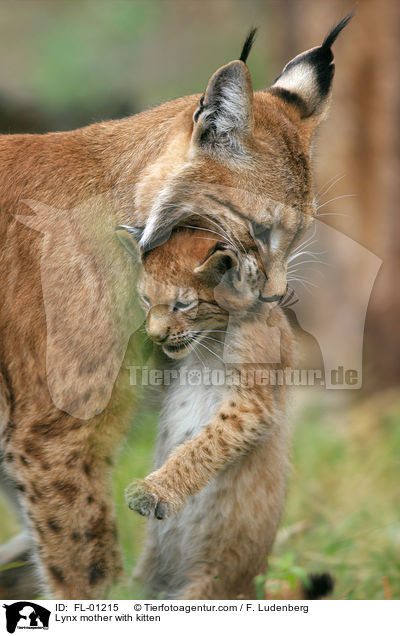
(130, 237)
(217, 263)
(306, 81)
(224, 116)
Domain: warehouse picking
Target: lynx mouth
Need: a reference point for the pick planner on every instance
(176, 350)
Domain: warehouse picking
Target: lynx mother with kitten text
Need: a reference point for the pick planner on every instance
(232, 156)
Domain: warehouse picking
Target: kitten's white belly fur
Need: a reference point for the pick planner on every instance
(188, 409)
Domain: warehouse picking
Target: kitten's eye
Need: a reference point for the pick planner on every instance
(146, 300)
(179, 306)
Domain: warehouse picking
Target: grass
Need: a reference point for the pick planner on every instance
(343, 503)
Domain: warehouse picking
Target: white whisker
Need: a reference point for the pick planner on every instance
(304, 281)
(210, 350)
(316, 261)
(305, 253)
(230, 230)
(342, 196)
(228, 237)
(309, 241)
(223, 344)
(195, 227)
(201, 360)
(332, 214)
(330, 183)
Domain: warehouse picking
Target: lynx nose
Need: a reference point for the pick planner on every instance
(159, 336)
(273, 291)
(157, 325)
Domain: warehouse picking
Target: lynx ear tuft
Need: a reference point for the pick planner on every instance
(306, 81)
(248, 45)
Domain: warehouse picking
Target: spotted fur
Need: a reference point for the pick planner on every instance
(241, 167)
(216, 497)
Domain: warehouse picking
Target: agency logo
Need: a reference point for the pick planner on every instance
(26, 615)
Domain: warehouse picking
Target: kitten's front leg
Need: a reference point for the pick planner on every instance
(239, 425)
(150, 499)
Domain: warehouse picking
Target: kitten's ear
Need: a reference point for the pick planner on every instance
(224, 115)
(217, 263)
(130, 237)
(305, 82)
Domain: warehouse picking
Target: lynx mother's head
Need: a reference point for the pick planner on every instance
(238, 162)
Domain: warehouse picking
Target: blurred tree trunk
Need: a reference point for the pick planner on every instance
(362, 141)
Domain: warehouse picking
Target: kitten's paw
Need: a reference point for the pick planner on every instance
(147, 500)
(240, 288)
(247, 279)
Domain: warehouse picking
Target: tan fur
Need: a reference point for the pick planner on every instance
(216, 542)
(67, 288)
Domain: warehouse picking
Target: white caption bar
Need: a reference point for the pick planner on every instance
(153, 617)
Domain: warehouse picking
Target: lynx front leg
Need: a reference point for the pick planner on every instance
(62, 474)
(238, 425)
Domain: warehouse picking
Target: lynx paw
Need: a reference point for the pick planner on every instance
(147, 500)
(247, 280)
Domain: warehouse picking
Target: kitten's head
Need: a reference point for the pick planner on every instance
(190, 285)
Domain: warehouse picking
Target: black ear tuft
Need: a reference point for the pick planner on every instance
(248, 44)
(322, 57)
(229, 69)
(331, 37)
(306, 80)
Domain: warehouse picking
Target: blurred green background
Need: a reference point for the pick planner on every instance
(65, 64)
(71, 63)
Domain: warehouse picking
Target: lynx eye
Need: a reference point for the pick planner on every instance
(179, 306)
(260, 232)
(146, 300)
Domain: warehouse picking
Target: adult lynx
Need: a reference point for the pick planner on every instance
(235, 155)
